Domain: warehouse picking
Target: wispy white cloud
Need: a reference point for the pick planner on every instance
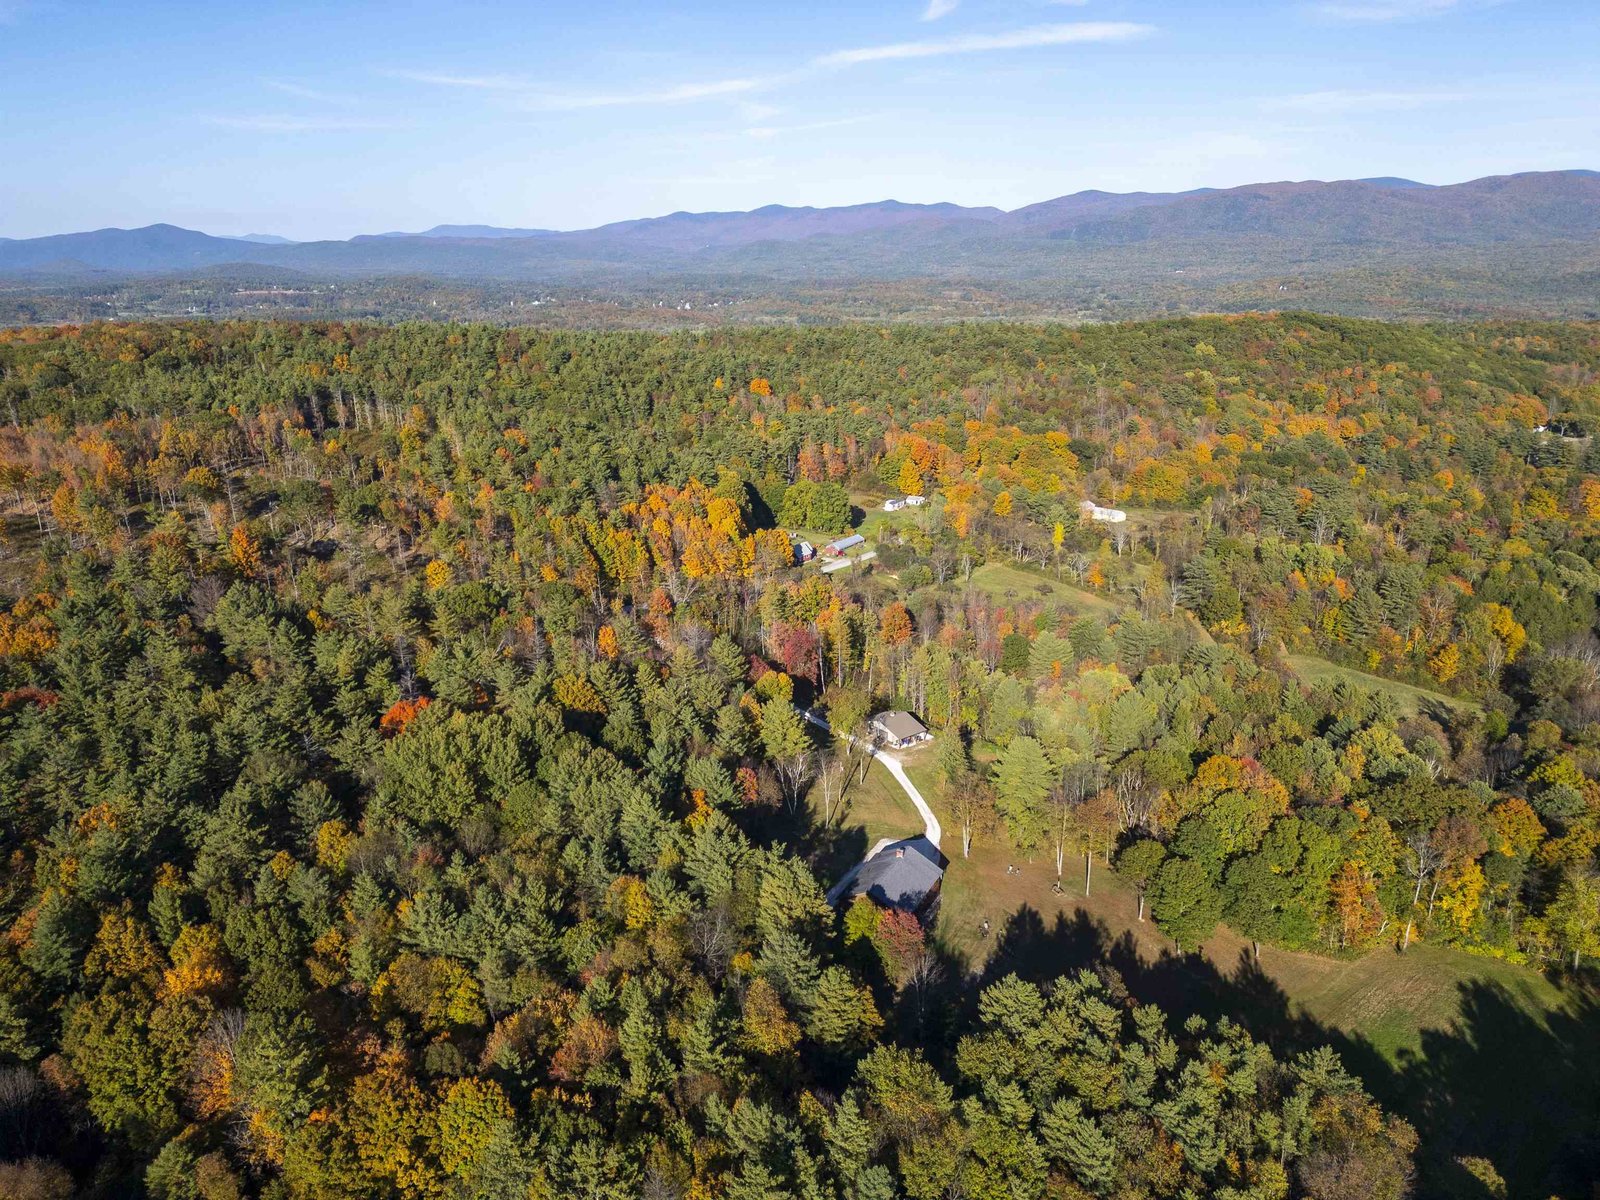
(1341, 100)
(484, 83)
(531, 96)
(1389, 10)
(939, 8)
(1065, 34)
(672, 95)
(274, 123)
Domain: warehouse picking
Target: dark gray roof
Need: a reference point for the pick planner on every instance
(901, 875)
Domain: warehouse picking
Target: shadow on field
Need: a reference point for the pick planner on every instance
(1521, 1091)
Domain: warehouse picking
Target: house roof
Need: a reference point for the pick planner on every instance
(901, 875)
(899, 725)
(844, 543)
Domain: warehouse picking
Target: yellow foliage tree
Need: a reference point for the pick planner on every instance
(123, 949)
(1459, 901)
(576, 694)
(1505, 626)
(767, 1027)
(244, 552)
(199, 965)
(470, 1116)
(1445, 664)
(333, 843)
(910, 479)
(1589, 498)
(438, 574)
(390, 1117)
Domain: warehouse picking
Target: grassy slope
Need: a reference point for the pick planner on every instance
(1412, 699)
(1009, 583)
(872, 809)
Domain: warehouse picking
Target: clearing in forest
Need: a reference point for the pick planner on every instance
(1411, 699)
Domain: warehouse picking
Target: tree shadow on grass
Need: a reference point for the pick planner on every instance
(1520, 1089)
(829, 849)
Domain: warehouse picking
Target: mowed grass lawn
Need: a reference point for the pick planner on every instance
(1390, 1000)
(873, 809)
(1010, 584)
(1412, 699)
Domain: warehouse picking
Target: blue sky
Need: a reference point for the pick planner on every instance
(335, 118)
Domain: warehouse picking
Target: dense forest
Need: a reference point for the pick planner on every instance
(406, 789)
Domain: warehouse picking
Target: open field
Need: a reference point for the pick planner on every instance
(1392, 999)
(873, 809)
(1488, 1057)
(875, 520)
(1011, 583)
(1412, 699)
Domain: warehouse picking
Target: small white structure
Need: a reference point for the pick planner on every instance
(916, 501)
(1094, 512)
(900, 729)
(893, 505)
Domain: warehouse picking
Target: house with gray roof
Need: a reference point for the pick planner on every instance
(900, 729)
(904, 874)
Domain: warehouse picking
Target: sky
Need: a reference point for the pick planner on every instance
(329, 119)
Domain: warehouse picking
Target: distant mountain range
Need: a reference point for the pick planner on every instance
(1513, 222)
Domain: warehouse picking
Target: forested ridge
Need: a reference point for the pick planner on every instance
(405, 788)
